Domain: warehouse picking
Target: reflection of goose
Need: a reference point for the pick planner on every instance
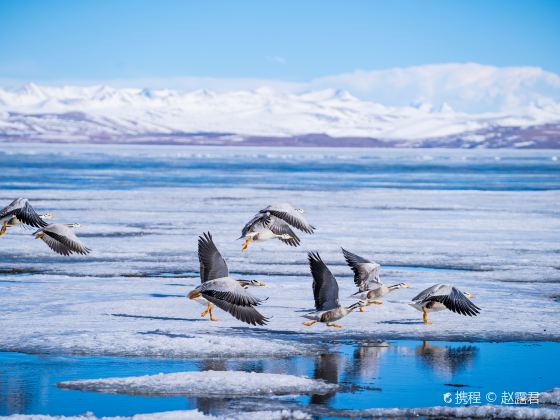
(23, 212)
(366, 278)
(325, 292)
(366, 358)
(446, 359)
(327, 368)
(274, 222)
(219, 289)
(442, 296)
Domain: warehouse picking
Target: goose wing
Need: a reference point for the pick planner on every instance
(231, 297)
(21, 209)
(212, 264)
(62, 240)
(366, 272)
(455, 301)
(280, 227)
(290, 215)
(430, 291)
(325, 287)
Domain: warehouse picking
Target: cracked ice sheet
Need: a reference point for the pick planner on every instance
(127, 297)
(203, 384)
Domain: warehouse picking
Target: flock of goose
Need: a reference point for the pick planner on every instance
(218, 289)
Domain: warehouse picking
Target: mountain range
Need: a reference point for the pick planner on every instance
(262, 116)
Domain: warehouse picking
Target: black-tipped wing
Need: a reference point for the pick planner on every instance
(29, 216)
(212, 264)
(64, 245)
(247, 314)
(279, 227)
(366, 273)
(325, 287)
(290, 215)
(457, 302)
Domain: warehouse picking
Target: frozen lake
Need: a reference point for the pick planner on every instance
(486, 221)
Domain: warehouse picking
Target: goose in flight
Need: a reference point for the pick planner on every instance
(23, 212)
(325, 292)
(62, 239)
(219, 289)
(443, 296)
(276, 221)
(366, 278)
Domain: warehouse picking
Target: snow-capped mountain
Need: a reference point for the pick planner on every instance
(329, 116)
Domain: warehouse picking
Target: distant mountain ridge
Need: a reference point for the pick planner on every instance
(327, 117)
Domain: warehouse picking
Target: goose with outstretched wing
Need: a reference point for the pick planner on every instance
(217, 288)
(366, 278)
(263, 227)
(276, 221)
(443, 296)
(62, 239)
(325, 292)
(20, 209)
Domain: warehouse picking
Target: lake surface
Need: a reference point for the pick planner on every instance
(371, 374)
(125, 167)
(484, 220)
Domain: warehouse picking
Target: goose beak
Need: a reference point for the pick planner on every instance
(261, 284)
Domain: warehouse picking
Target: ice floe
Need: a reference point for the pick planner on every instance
(550, 397)
(204, 384)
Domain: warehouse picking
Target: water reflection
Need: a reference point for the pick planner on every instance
(366, 359)
(15, 395)
(327, 367)
(446, 360)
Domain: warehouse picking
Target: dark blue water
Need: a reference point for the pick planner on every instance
(402, 374)
(129, 167)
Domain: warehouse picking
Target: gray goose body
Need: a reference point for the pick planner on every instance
(276, 222)
(325, 293)
(366, 278)
(217, 288)
(443, 296)
(62, 239)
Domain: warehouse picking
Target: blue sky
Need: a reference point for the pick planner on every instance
(283, 40)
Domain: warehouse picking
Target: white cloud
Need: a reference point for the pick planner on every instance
(467, 87)
(276, 59)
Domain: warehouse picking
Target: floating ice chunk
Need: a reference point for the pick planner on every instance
(204, 384)
(550, 397)
(471, 412)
